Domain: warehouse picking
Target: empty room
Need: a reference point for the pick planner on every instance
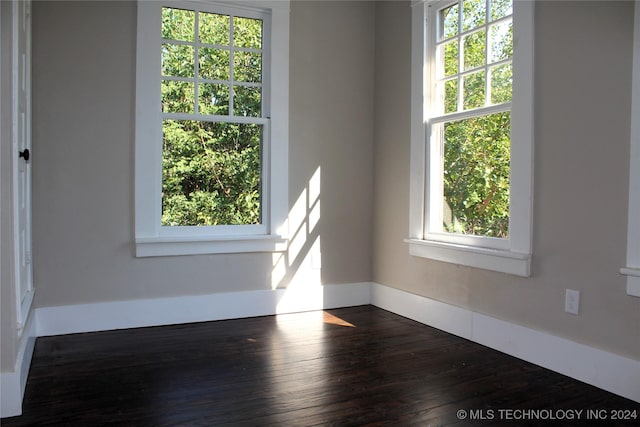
(297, 213)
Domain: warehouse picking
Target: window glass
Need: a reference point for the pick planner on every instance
(476, 175)
(178, 24)
(210, 173)
(473, 167)
(211, 169)
(213, 28)
(473, 14)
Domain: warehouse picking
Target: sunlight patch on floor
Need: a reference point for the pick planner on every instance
(335, 320)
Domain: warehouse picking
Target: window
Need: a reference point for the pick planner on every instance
(211, 127)
(472, 111)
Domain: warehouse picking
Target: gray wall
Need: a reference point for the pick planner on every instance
(582, 124)
(84, 75)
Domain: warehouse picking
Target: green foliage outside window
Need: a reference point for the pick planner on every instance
(476, 175)
(211, 169)
(210, 173)
(476, 158)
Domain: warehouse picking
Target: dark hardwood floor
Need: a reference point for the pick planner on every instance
(346, 367)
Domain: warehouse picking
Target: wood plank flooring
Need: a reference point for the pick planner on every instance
(347, 367)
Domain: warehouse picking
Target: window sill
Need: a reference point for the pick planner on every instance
(181, 245)
(488, 259)
(633, 280)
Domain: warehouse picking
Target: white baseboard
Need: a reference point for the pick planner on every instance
(201, 308)
(13, 384)
(608, 371)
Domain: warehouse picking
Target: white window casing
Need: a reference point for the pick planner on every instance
(153, 239)
(632, 269)
(509, 255)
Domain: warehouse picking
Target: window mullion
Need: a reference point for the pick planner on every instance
(231, 67)
(467, 114)
(196, 63)
(460, 59)
(215, 118)
(487, 77)
(460, 74)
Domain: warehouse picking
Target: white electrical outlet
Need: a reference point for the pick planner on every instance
(572, 301)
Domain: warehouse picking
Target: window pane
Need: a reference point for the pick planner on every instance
(247, 32)
(501, 83)
(450, 21)
(247, 67)
(474, 14)
(213, 63)
(247, 101)
(451, 96)
(213, 99)
(474, 50)
(451, 57)
(501, 41)
(501, 8)
(177, 97)
(476, 176)
(213, 28)
(211, 173)
(178, 24)
(473, 90)
(177, 60)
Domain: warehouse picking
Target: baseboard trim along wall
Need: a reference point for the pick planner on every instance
(71, 319)
(13, 384)
(608, 371)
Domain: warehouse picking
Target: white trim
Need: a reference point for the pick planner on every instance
(70, 319)
(635, 272)
(633, 231)
(13, 384)
(603, 369)
(181, 245)
(509, 262)
(522, 142)
(21, 73)
(418, 160)
(633, 282)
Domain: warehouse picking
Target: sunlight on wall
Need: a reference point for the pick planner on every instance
(299, 268)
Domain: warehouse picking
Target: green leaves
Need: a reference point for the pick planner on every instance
(474, 71)
(178, 24)
(211, 170)
(476, 175)
(247, 32)
(221, 60)
(473, 61)
(213, 28)
(210, 173)
(474, 51)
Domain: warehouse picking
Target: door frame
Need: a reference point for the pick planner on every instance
(21, 254)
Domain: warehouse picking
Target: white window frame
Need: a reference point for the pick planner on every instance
(632, 269)
(153, 239)
(510, 255)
